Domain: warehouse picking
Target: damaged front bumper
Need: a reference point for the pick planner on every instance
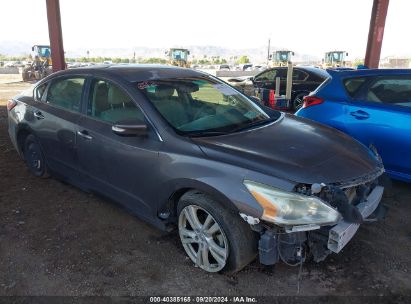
(342, 233)
(289, 244)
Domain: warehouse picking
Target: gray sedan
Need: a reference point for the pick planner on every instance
(183, 150)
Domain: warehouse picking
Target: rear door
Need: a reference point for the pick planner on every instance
(380, 114)
(55, 118)
(122, 167)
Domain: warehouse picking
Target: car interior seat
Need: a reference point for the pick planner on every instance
(121, 108)
(66, 94)
(100, 99)
(374, 93)
(170, 106)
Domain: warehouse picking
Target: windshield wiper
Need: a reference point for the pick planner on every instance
(206, 133)
(253, 124)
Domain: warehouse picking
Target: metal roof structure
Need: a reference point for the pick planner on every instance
(372, 56)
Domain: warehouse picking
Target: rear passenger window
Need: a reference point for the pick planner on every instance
(395, 91)
(299, 75)
(110, 103)
(267, 76)
(66, 93)
(353, 85)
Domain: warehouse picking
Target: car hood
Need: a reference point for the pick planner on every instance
(295, 149)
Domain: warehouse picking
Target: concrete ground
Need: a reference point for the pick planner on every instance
(58, 240)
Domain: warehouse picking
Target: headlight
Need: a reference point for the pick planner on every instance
(286, 208)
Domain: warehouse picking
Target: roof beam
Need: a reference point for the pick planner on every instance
(376, 33)
(55, 34)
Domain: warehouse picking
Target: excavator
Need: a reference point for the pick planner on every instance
(41, 65)
(334, 59)
(178, 57)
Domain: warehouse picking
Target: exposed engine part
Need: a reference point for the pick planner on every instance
(249, 219)
(317, 242)
(338, 199)
(316, 188)
(300, 228)
(291, 248)
(268, 248)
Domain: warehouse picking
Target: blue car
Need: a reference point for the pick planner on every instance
(374, 107)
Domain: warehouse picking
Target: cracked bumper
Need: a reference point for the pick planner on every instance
(343, 232)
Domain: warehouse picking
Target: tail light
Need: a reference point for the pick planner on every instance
(312, 101)
(11, 104)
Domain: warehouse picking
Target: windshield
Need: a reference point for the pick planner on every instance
(201, 105)
(44, 51)
(179, 54)
(282, 56)
(335, 56)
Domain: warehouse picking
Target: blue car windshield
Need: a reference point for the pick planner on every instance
(202, 105)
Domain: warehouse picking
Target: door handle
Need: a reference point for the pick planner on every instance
(38, 115)
(360, 114)
(84, 134)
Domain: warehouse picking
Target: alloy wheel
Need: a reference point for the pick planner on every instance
(203, 238)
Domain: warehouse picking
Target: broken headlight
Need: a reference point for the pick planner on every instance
(286, 208)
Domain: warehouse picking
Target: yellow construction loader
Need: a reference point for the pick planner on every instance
(178, 57)
(41, 64)
(334, 59)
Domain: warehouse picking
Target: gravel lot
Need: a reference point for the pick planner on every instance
(58, 240)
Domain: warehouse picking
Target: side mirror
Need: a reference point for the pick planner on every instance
(346, 54)
(188, 52)
(130, 129)
(292, 53)
(32, 48)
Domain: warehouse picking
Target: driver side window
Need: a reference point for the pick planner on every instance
(108, 102)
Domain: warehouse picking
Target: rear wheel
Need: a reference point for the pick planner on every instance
(215, 238)
(34, 157)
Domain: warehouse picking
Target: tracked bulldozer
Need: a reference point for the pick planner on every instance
(41, 64)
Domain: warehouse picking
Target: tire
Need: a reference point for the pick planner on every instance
(34, 157)
(298, 100)
(25, 75)
(236, 241)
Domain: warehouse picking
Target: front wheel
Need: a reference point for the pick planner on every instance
(215, 238)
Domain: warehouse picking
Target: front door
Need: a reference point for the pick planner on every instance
(121, 167)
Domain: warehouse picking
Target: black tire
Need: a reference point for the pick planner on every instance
(298, 100)
(34, 157)
(242, 241)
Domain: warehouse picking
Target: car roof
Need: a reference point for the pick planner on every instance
(336, 73)
(135, 72)
(310, 69)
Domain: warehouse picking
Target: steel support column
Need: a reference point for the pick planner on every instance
(55, 34)
(376, 33)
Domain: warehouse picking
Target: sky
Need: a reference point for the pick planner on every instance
(304, 26)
